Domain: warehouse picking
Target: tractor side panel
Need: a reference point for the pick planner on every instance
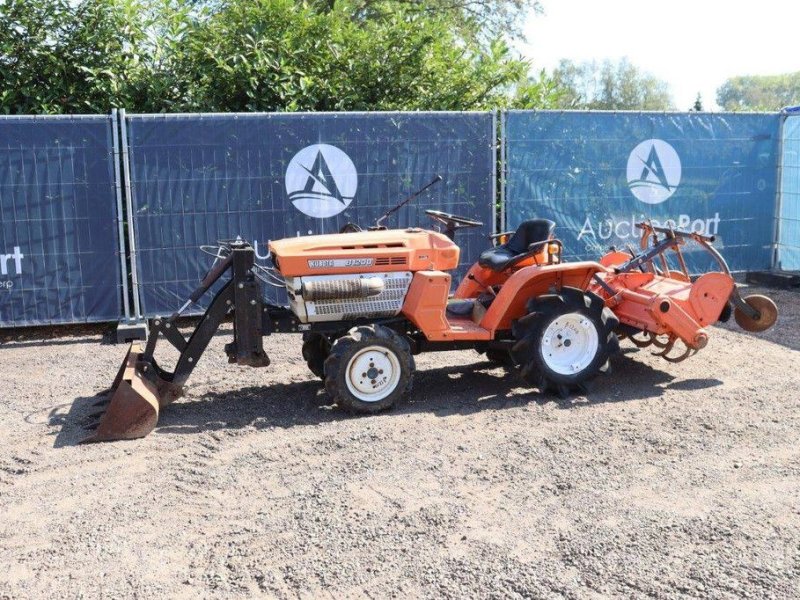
(614, 258)
(636, 311)
(426, 302)
(708, 296)
(530, 282)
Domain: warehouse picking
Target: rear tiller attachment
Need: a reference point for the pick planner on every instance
(664, 305)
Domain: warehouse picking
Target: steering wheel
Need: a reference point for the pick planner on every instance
(452, 221)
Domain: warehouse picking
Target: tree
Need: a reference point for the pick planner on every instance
(609, 86)
(760, 92)
(490, 19)
(279, 55)
(60, 56)
(698, 104)
(57, 55)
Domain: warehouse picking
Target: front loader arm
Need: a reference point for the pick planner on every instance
(190, 350)
(240, 294)
(143, 387)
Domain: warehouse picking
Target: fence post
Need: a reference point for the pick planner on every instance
(120, 216)
(776, 263)
(126, 166)
(502, 171)
(495, 144)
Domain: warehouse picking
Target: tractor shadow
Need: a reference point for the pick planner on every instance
(457, 390)
(73, 419)
(56, 335)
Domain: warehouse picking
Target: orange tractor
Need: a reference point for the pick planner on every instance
(366, 302)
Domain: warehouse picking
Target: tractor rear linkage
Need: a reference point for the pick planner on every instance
(673, 241)
(645, 262)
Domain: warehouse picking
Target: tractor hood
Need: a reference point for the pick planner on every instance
(365, 251)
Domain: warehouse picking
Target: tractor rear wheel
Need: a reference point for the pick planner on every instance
(316, 348)
(565, 340)
(369, 369)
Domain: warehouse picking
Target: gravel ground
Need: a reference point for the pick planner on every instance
(668, 481)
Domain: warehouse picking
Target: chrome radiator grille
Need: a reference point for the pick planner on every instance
(387, 303)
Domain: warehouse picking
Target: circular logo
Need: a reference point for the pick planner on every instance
(654, 171)
(321, 181)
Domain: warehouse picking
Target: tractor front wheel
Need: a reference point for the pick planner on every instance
(565, 340)
(316, 348)
(369, 369)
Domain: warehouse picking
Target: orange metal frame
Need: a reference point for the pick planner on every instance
(661, 304)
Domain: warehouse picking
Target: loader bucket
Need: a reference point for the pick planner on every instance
(132, 404)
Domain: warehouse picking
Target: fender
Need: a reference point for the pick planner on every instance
(528, 282)
(477, 280)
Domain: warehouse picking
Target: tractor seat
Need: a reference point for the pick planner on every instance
(528, 232)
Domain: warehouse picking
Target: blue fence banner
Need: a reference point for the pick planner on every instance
(789, 217)
(59, 243)
(598, 173)
(196, 179)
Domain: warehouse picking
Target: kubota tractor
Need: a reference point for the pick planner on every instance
(366, 302)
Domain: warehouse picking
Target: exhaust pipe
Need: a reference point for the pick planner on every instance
(342, 289)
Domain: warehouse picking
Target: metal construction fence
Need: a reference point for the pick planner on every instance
(788, 238)
(89, 204)
(59, 228)
(596, 174)
(195, 179)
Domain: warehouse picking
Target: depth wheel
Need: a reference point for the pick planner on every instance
(767, 318)
(369, 369)
(316, 348)
(564, 341)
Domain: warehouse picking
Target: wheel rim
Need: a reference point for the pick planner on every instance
(570, 343)
(372, 373)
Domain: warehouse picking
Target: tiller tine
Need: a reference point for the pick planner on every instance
(648, 341)
(658, 343)
(133, 404)
(686, 354)
(667, 348)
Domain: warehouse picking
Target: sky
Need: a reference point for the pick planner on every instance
(692, 45)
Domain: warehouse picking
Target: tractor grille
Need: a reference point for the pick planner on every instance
(386, 304)
(391, 260)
